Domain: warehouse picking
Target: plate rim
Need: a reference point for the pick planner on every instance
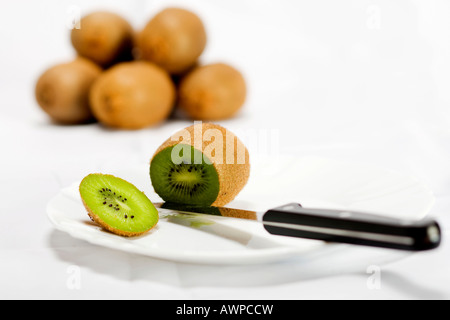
(243, 257)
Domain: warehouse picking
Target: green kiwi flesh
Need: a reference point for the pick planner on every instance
(117, 205)
(191, 180)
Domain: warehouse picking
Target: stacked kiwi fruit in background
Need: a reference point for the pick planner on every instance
(128, 79)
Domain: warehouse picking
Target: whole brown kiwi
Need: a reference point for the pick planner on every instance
(104, 37)
(173, 39)
(133, 95)
(212, 92)
(62, 91)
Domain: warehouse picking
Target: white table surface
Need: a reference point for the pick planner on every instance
(366, 81)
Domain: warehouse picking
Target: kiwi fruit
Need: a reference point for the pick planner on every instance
(204, 164)
(212, 92)
(133, 95)
(104, 37)
(117, 205)
(174, 39)
(62, 91)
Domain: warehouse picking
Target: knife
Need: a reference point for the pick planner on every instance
(342, 226)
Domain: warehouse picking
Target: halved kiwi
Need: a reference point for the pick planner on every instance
(198, 170)
(117, 205)
(186, 182)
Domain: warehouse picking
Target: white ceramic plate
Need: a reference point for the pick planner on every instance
(311, 181)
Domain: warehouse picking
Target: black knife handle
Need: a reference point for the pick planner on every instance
(352, 227)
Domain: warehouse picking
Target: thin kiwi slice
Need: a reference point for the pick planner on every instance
(184, 181)
(117, 205)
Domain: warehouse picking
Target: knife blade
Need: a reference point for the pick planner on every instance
(330, 225)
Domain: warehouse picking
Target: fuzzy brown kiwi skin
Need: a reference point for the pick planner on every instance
(62, 91)
(212, 92)
(174, 39)
(95, 218)
(105, 38)
(133, 95)
(232, 177)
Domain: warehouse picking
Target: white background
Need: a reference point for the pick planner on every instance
(355, 80)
